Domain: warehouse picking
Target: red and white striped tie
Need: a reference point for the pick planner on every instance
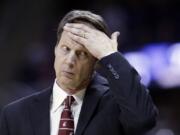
(66, 126)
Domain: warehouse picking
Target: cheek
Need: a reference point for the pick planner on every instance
(85, 71)
(57, 64)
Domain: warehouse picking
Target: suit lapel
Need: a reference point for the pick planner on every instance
(93, 94)
(39, 113)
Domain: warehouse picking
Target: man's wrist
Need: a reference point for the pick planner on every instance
(105, 54)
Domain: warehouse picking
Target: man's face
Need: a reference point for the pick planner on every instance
(73, 64)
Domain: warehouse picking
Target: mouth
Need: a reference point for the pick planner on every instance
(68, 74)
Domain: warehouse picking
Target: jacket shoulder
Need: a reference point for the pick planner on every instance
(23, 102)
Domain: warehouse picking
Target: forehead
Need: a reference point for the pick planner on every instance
(66, 40)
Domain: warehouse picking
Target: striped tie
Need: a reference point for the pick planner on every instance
(66, 126)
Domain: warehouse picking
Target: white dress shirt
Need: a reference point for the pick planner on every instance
(58, 96)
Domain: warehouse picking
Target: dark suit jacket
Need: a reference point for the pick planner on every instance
(117, 105)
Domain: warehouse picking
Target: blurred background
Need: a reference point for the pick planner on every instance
(150, 40)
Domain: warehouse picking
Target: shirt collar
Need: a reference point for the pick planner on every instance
(59, 95)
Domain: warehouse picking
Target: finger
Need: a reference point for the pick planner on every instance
(77, 39)
(114, 36)
(79, 26)
(75, 31)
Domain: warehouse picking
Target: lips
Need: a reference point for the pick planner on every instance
(68, 74)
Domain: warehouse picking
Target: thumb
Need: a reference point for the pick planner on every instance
(114, 36)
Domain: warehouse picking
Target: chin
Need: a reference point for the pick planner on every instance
(67, 81)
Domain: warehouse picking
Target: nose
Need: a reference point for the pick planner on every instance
(71, 58)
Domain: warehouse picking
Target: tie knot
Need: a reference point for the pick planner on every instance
(69, 101)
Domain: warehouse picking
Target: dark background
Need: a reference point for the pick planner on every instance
(28, 36)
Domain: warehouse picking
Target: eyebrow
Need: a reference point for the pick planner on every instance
(81, 48)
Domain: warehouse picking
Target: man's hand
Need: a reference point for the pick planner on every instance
(96, 42)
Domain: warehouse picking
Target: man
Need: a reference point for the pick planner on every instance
(82, 102)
